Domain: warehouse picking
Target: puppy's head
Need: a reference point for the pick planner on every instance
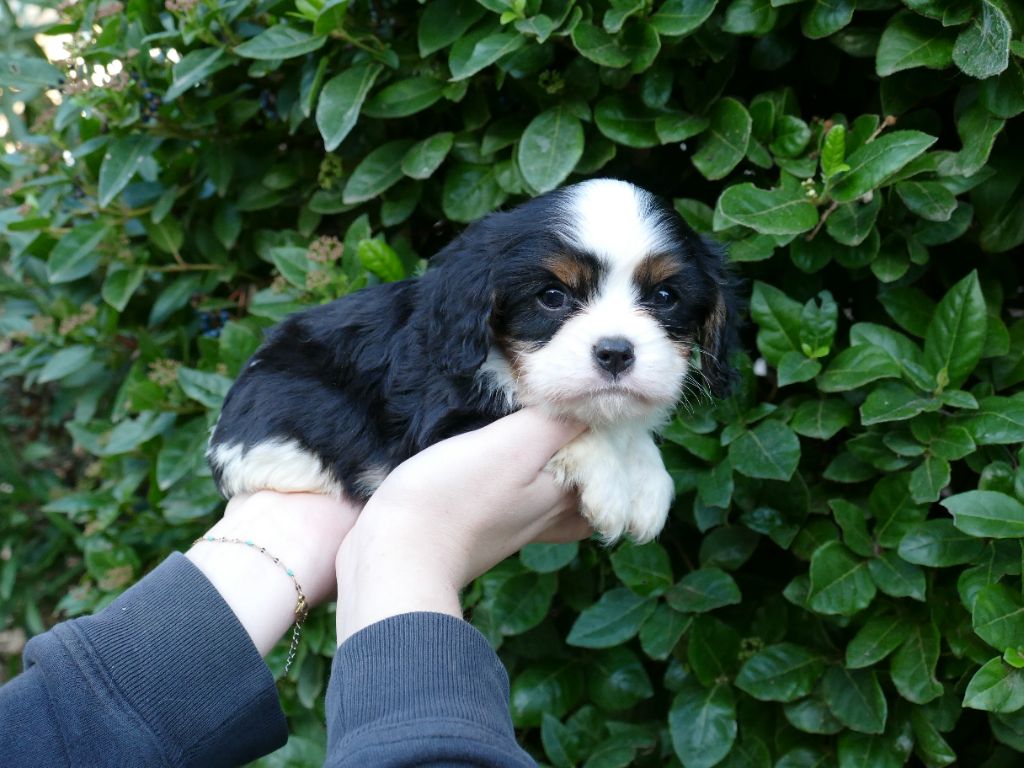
(592, 300)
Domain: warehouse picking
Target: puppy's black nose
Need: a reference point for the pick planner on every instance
(614, 354)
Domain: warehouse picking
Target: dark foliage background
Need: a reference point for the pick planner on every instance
(841, 581)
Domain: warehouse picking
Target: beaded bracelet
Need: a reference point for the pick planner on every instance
(301, 605)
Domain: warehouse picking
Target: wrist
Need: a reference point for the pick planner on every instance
(378, 579)
(302, 531)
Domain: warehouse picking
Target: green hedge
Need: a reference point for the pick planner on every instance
(841, 580)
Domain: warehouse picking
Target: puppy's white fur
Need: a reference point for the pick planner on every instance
(280, 465)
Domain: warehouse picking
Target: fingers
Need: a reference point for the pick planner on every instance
(531, 436)
(569, 526)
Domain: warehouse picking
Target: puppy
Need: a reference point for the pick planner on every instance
(590, 302)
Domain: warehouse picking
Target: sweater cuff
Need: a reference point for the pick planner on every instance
(177, 656)
(418, 666)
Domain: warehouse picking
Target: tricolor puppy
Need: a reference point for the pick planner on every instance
(590, 301)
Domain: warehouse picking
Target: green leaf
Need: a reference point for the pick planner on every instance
(204, 387)
(712, 649)
(986, 513)
(549, 149)
(470, 192)
(996, 687)
(851, 518)
(853, 223)
(795, 368)
(909, 307)
(938, 544)
(121, 284)
(998, 421)
(956, 334)
(879, 637)
(644, 568)
(778, 320)
(826, 17)
(548, 558)
(76, 254)
(911, 41)
(280, 42)
(983, 49)
(873, 163)
(928, 199)
(522, 601)
(856, 366)
(840, 582)
(613, 619)
(442, 22)
(913, 666)
(341, 100)
(65, 362)
(405, 97)
(482, 53)
(549, 687)
(811, 715)
(781, 672)
(661, 631)
(833, 151)
(626, 123)
(703, 590)
(616, 680)
(381, 259)
(998, 616)
(894, 401)
(182, 452)
(680, 17)
(425, 157)
(750, 17)
(772, 212)
(897, 578)
(856, 699)
(821, 418)
(120, 162)
(194, 67)
(598, 46)
(929, 478)
(702, 724)
(860, 750)
(725, 141)
(377, 172)
(771, 450)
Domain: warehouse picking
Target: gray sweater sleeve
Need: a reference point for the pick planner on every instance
(164, 676)
(419, 689)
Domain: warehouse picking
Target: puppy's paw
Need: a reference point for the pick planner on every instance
(590, 465)
(624, 488)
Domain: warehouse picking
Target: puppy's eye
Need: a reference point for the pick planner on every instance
(553, 298)
(664, 297)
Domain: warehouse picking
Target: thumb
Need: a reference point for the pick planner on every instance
(531, 437)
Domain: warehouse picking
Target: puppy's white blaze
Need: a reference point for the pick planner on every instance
(615, 221)
(276, 465)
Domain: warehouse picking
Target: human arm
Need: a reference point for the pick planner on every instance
(413, 684)
(170, 673)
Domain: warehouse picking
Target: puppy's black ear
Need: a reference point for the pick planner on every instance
(718, 334)
(457, 298)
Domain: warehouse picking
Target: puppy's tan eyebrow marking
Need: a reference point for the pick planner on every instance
(576, 272)
(655, 269)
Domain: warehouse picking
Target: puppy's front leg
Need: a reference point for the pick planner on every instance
(622, 481)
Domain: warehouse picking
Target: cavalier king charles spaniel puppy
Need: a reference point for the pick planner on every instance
(591, 302)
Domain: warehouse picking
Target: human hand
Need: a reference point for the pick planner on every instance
(450, 513)
(302, 530)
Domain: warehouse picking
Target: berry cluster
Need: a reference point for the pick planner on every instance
(211, 323)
